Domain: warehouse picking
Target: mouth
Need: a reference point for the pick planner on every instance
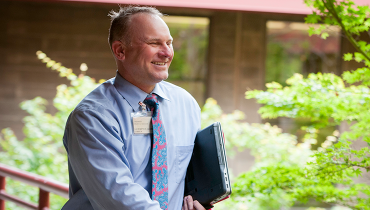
(159, 63)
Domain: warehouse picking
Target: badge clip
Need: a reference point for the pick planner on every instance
(143, 106)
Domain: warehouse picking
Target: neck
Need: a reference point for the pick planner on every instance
(146, 88)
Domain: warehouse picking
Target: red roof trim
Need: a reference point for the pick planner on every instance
(273, 6)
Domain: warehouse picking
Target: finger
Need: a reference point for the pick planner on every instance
(190, 202)
(198, 206)
(185, 204)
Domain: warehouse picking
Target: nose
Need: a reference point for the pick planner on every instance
(166, 51)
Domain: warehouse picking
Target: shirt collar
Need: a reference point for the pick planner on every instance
(158, 90)
(132, 94)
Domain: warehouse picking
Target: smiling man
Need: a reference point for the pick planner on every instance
(122, 156)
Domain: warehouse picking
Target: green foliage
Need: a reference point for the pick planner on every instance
(322, 98)
(268, 145)
(41, 151)
(299, 184)
(285, 172)
(354, 21)
(325, 100)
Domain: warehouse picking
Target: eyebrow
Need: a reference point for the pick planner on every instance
(158, 40)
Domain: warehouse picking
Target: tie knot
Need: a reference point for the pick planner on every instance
(152, 97)
(152, 102)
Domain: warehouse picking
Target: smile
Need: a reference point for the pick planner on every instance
(159, 63)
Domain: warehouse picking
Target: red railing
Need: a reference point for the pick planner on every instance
(45, 186)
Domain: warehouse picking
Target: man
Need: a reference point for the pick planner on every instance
(112, 165)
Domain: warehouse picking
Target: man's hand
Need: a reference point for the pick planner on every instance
(189, 204)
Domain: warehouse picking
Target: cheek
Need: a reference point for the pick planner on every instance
(150, 54)
(145, 53)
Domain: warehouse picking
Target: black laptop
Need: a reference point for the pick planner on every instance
(207, 177)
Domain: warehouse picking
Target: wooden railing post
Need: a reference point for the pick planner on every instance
(46, 186)
(43, 200)
(2, 189)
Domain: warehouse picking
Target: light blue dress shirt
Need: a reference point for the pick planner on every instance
(109, 166)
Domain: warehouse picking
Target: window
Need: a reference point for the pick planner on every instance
(291, 50)
(189, 66)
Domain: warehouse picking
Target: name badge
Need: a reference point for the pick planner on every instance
(143, 124)
(142, 120)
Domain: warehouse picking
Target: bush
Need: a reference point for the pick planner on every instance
(41, 151)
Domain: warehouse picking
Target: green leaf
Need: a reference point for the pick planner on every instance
(324, 35)
(313, 18)
(358, 57)
(347, 56)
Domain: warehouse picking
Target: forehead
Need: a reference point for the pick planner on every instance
(148, 26)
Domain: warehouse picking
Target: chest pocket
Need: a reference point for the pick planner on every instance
(183, 155)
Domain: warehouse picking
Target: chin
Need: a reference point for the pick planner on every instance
(162, 76)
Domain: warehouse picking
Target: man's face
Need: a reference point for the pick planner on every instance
(149, 54)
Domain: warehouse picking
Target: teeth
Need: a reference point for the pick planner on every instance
(159, 63)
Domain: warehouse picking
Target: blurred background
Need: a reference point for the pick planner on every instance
(222, 49)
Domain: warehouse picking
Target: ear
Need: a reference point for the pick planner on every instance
(118, 49)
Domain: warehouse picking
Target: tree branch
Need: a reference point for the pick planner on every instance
(329, 5)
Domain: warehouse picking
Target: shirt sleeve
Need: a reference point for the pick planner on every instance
(95, 152)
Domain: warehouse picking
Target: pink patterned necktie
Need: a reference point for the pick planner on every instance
(159, 154)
